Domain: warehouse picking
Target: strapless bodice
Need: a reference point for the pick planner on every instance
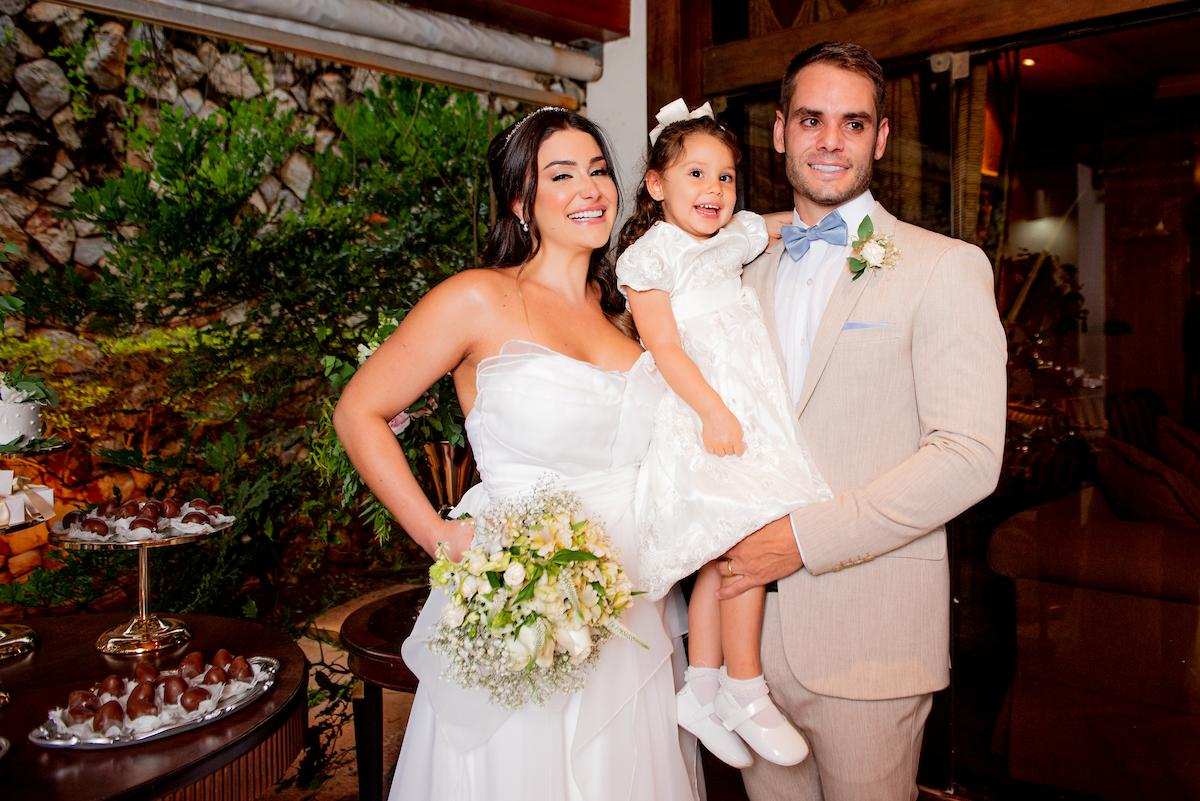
(538, 411)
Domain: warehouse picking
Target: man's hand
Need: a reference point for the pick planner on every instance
(766, 555)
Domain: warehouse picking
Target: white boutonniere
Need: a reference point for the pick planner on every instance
(871, 250)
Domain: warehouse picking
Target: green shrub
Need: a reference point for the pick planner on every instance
(244, 323)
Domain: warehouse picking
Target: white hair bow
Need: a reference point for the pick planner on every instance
(677, 111)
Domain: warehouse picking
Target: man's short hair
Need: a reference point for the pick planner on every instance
(846, 55)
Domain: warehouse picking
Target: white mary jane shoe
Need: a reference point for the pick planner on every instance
(780, 744)
(723, 743)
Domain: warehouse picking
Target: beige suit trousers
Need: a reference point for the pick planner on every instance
(861, 750)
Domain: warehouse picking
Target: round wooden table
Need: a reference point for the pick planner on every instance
(238, 757)
(372, 636)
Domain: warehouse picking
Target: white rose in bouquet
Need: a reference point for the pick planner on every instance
(514, 575)
(575, 641)
(454, 615)
(537, 595)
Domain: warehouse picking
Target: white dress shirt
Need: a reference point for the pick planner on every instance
(803, 289)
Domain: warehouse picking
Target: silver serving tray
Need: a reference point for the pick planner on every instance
(44, 736)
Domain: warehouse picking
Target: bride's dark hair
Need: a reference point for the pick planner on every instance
(512, 163)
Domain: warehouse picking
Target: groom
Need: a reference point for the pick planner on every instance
(898, 377)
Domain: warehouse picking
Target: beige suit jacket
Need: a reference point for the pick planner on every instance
(906, 422)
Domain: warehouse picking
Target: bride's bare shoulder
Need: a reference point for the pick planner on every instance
(479, 284)
(485, 282)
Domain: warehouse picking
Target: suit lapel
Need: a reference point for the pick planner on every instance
(845, 296)
(764, 284)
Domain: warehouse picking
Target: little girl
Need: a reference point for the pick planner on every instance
(725, 455)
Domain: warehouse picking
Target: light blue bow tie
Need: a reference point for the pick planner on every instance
(798, 238)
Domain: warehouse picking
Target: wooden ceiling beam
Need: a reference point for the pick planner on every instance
(907, 29)
(556, 20)
(156, 13)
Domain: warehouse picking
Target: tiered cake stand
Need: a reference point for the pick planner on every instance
(147, 632)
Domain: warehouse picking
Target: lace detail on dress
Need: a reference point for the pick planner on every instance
(693, 506)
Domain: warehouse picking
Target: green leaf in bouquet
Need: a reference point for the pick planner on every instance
(502, 619)
(495, 579)
(599, 588)
(527, 591)
(571, 555)
(578, 526)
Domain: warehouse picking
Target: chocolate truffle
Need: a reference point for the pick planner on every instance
(222, 658)
(191, 699)
(192, 665)
(240, 669)
(129, 509)
(84, 698)
(198, 503)
(170, 507)
(173, 688)
(215, 675)
(152, 505)
(144, 691)
(144, 671)
(95, 525)
(113, 685)
(216, 510)
(143, 522)
(196, 517)
(73, 518)
(139, 707)
(80, 714)
(108, 715)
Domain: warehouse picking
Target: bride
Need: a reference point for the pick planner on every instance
(543, 360)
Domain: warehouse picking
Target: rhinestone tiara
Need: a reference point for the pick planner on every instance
(530, 116)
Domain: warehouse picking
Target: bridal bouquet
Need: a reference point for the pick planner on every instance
(531, 601)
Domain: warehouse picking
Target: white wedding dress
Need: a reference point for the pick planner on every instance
(541, 412)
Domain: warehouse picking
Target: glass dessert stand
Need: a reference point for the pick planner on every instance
(147, 632)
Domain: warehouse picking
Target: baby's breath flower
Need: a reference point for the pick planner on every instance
(532, 600)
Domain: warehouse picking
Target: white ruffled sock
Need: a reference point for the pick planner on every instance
(704, 681)
(748, 690)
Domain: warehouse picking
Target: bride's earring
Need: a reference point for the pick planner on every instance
(524, 226)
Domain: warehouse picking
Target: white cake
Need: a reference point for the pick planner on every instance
(19, 420)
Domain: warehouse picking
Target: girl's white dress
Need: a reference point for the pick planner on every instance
(691, 505)
(541, 412)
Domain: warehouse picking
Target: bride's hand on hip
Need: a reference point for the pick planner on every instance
(456, 535)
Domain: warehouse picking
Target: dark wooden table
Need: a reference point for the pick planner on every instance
(372, 636)
(239, 757)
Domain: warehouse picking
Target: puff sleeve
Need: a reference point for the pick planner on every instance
(645, 264)
(753, 230)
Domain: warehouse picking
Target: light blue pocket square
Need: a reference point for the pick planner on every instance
(861, 326)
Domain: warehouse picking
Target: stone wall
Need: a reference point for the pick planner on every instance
(74, 88)
(73, 85)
